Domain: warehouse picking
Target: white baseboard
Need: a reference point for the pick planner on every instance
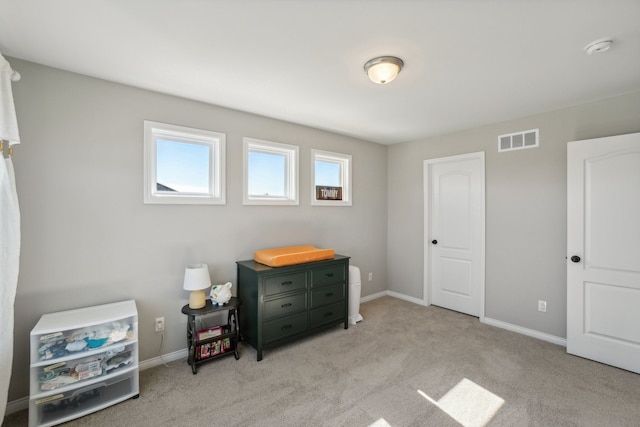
(20, 404)
(407, 298)
(374, 296)
(493, 322)
(165, 358)
(392, 294)
(17, 405)
(526, 331)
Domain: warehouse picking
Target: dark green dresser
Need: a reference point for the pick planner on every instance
(282, 304)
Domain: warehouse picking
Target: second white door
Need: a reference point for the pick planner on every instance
(603, 240)
(454, 232)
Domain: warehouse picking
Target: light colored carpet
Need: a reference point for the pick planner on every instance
(404, 365)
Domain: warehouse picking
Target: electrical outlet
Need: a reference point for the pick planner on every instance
(542, 306)
(370, 277)
(159, 324)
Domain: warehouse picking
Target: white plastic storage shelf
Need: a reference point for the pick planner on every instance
(82, 361)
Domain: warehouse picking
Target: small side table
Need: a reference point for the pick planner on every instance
(231, 331)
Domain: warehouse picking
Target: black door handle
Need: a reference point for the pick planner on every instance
(435, 242)
(575, 258)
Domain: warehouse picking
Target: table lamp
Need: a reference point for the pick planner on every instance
(196, 280)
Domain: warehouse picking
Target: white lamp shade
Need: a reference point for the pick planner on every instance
(196, 277)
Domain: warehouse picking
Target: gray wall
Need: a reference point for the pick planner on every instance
(525, 208)
(87, 237)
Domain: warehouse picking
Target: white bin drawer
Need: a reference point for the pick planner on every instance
(62, 407)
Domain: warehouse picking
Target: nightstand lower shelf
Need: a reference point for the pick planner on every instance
(214, 347)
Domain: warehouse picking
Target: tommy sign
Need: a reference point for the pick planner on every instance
(328, 193)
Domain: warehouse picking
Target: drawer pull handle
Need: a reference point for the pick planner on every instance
(286, 305)
(330, 294)
(288, 282)
(329, 314)
(329, 274)
(285, 327)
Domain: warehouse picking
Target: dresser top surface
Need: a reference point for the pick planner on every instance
(253, 265)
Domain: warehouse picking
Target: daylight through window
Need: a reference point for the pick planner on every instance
(270, 173)
(183, 165)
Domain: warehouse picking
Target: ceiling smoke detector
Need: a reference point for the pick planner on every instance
(598, 46)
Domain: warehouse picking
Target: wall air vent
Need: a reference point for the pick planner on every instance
(518, 140)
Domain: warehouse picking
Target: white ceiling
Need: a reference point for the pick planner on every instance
(467, 62)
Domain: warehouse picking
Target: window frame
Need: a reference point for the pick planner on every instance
(345, 160)
(216, 141)
(291, 175)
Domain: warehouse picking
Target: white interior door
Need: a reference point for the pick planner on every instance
(454, 232)
(603, 242)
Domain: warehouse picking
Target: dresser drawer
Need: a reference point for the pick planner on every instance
(327, 294)
(280, 303)
(327, 314)
(285, 306)
(287, 326)
(285, 283)
(326, 275)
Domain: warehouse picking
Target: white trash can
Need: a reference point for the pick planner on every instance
(354, 295)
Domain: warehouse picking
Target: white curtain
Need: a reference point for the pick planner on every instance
(9, 231)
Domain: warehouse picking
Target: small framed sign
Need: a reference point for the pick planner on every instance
(324, 192)
(330, 178)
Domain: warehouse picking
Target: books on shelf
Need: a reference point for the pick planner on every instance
(213, 348)
(204, 351)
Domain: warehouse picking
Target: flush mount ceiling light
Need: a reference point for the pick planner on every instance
(383, 69)
(600, 45)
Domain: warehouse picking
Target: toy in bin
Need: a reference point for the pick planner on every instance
(221, 294)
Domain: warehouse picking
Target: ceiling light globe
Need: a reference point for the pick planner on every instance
(383, 69)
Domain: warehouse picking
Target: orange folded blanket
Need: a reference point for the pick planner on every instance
(279, 257)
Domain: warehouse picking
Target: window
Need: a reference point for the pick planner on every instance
(270, 173)
(331, 179)
(183, 165)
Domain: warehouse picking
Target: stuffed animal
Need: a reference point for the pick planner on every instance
(221, 294)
